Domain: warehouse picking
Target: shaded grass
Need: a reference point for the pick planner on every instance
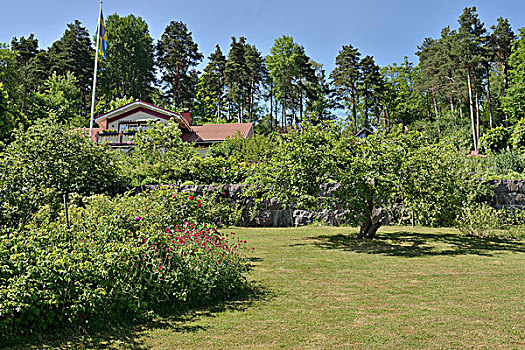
(320, 288)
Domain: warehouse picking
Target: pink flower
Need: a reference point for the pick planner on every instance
(191, 198)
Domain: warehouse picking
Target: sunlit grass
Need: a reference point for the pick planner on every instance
(320, 288)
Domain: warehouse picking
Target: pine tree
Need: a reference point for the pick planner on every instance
(210, 89)
(235, 73)
(501, 44)
(371, 87)
(26, 49)
(344, 78)
(177, 57)
(256, 72)
(74, 53)
(472, 51)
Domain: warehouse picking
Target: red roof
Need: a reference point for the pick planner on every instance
(218, 132)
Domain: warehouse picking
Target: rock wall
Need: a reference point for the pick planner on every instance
(272, 213)
(507, 193)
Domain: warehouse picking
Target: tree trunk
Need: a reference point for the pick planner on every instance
(505, 86)
(374, 219)
(489, 100)
(251, 101)
(472, 117)
(300, 101)
(477, 116)
(239, 115)
(293, 119)
(283, 106)
(354, 109)
(219, 98)
(271, 102)
(366, 107)
(434, 100)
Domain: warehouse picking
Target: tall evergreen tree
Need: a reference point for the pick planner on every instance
(319, 95)
(26, 49)
(244, 73)
(501, 43)
(371, 87)
(73, 53)
(210, 89)
(177, 56)
(472, 50)
(345, 77)
(235, 73)
(255, 73)
(39, 68)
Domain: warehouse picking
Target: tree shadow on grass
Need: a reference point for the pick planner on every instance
(416, 244)
(126, 335)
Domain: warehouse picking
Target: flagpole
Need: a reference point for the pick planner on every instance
(95, 76)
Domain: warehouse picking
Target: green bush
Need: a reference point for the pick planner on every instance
(482, 220)
(120, 259)
(47, 161)
(494, 140)
(507, 161)
(517, 138)
(479, 220)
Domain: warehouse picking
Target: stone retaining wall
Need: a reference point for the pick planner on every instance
(272, 213)
(507, 193)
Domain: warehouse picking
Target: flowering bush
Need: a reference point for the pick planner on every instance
(119, 259)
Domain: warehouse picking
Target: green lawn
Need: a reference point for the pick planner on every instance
(320, 289)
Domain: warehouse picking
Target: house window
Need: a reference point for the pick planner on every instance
(135, 124)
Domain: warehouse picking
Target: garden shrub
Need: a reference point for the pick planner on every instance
(478, 220)
(159, 156)
(47, 161)
(494, 140)
(507, 161)
(482, 220)
(517, 138)
(121, 259)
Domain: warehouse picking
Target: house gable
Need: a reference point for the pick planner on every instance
(137, 113)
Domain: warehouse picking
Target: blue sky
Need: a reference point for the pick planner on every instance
(387, 30)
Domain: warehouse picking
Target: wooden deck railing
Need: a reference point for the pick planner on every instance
(116, 138)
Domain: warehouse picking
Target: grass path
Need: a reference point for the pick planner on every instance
(411, 288)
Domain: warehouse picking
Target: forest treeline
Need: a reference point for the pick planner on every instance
(469, 80)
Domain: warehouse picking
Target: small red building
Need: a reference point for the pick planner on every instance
(117, 127)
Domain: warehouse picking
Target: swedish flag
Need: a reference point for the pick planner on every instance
(103, 36)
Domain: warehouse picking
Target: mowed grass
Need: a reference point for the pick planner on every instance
(320, 288)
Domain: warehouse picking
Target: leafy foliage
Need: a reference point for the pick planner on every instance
(494, 140)
(159, 155)
(120, 259)
(378, 171)
(482, 220)
(44, 163)
(517, 138)
(128, 69)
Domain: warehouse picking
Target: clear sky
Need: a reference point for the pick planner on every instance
(387, 30)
